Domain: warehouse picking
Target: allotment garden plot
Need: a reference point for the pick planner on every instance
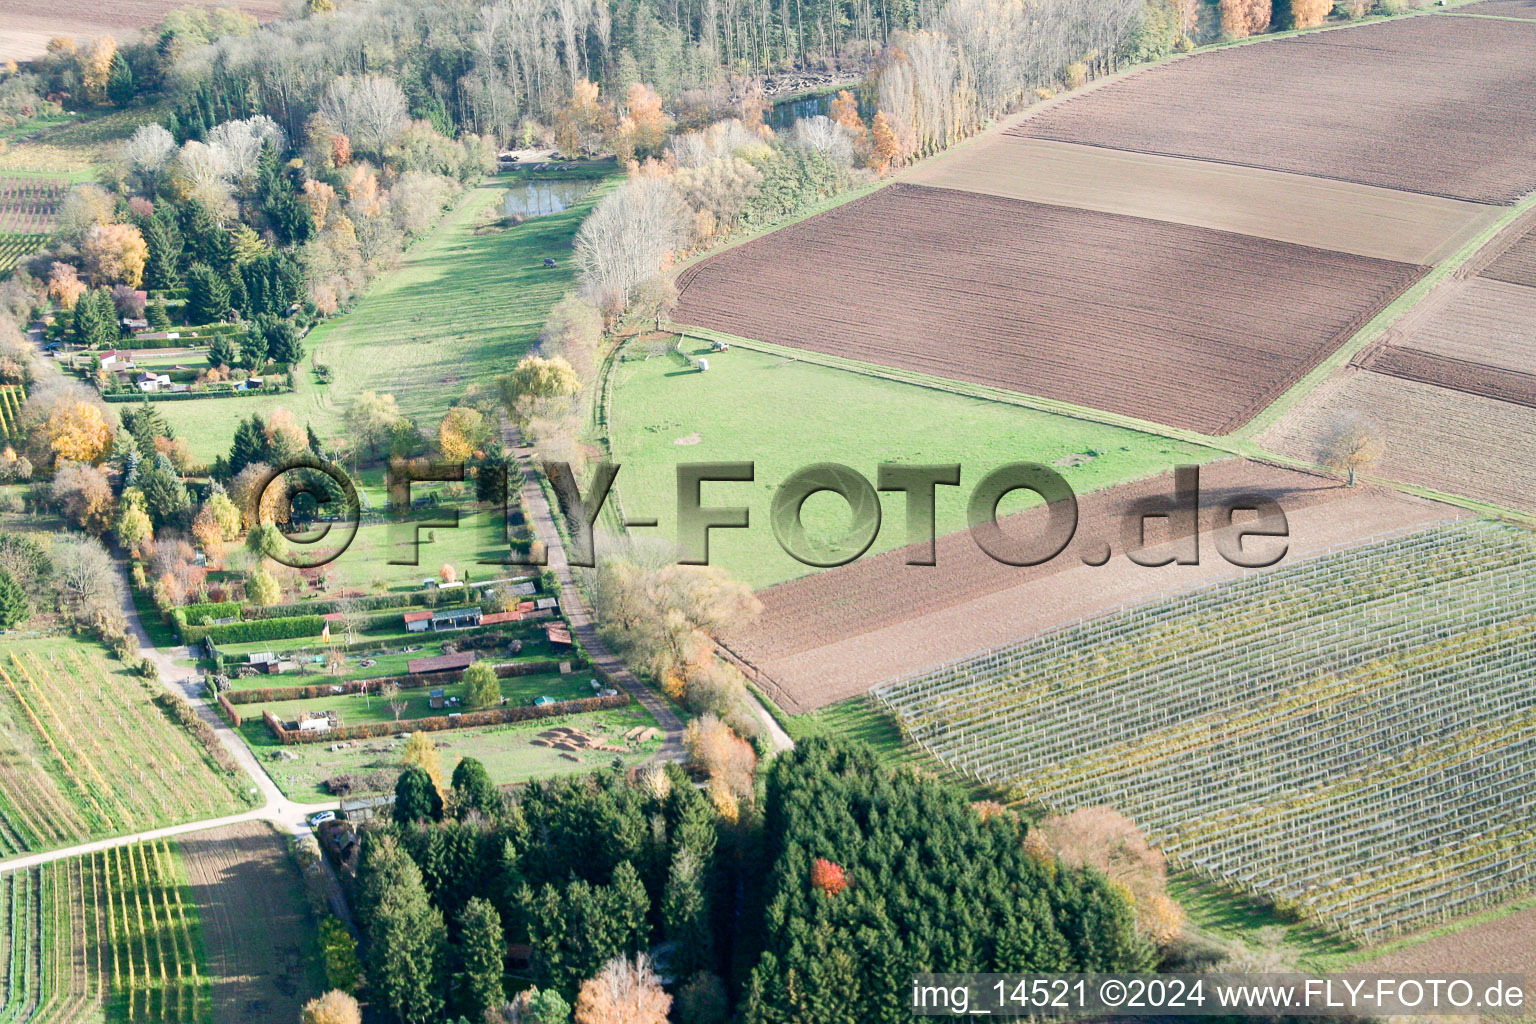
(85, 752)
(1439, 105)
(1195, 328)
(1351, 736)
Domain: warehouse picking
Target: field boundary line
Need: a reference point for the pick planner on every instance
(981, 392)
(1246, 437)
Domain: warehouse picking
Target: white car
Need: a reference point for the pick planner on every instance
(320, 818)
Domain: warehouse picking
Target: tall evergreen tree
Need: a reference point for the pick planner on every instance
(221, 351)
(207, 294)
(204, 240)
(14, 606)
(250, 445)
(482, 948)
(416, 797)
(120, 82)
(96, 319)
(166, 498)
(158, 315)
(407, 951)
(163, 268)
(685, 915)
(473, 789)
(253, 350)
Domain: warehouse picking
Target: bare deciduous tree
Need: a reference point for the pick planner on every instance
(371, 110)
(1349, 445)
(625, 991)
(627, 238)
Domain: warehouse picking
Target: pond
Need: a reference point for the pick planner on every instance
(537, 198)
(783, 114)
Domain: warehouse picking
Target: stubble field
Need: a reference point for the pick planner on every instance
(1319, 212)
(1186, 326)
(1439, 105)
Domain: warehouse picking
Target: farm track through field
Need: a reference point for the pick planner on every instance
(1438, 105)
(1072, 305)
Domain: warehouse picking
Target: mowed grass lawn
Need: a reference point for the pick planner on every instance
(783, 414)
(461, 308)
(361, 709)
(507, 751)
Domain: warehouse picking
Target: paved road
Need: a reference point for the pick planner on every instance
(574, 602)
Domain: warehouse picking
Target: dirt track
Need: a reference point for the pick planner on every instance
(832, 635)
(1435, 104)
(1181, 325)
(251, 905)
(1327, 214)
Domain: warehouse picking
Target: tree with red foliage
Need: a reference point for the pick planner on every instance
(830, 878)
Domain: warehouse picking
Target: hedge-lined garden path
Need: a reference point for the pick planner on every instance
(583, 626)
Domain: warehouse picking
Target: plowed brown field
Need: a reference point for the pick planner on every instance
(1479, 321)
(1439, 105)
(1501, 9)
(834, 634)
(1516, 264)
(1504, 946)
(1431, 436)
(1187, 326)
(26, 25)
(1321, 212)
(251, 904)
(1458, 374)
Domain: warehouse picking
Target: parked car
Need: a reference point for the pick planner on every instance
(320, 818)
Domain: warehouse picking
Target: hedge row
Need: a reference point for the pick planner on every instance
(136, 343)
(441, 723)
(250, 632)
(185, 396)
(230, 714)
(530, 629)
(371, 603)
(274, 694)
(211, 609)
